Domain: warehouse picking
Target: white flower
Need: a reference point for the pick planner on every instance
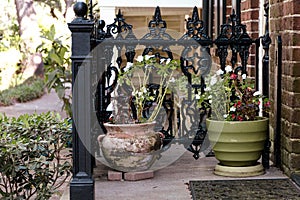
(128, 66)
(233, 109)
(210, 101)
(168, 60)
(225, 116)
(207, 89)
(140, 94)
(256, 93)
(144, 90)
(219, 72)
(110, 107)
(140, 58)
(213, 80)
(244, 76)
(147, 57)
(197, 96)
(228, 68)
(172, 80)
(209, 97)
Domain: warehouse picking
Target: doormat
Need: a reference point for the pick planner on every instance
(245, 189)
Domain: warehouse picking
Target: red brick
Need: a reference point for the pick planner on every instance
(296, 53)
(292, 130)
(135, 176)
(291, 22)
(288, 8)
(250, 15)
(275, 1)
(291, 99)
(295, 131)
(114, 175)
(291, 39)
(295, 160)
(276, 10)
(290, 114)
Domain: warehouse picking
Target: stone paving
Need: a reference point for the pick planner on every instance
(48, 102)
(168, 183)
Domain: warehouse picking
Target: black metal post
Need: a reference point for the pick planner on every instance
(257, 45)
(238, 10)
(266, 41)
(224, 8)
(205, 15)
(277, 139)
(218, 20)
(211, 19)
(82, 183)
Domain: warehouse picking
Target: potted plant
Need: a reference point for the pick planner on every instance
(131, 142)
(235, 128)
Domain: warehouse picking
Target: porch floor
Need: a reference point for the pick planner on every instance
(170, 182)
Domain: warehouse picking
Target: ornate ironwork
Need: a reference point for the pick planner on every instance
(234, 35)
(195, 64)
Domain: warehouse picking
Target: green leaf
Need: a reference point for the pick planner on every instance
(54, 57)
(60, 92)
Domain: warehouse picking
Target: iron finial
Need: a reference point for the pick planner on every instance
(157, 15)
(80, 9)
(195, 15)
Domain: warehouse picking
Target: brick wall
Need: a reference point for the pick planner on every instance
(285, 20)
(249, 17)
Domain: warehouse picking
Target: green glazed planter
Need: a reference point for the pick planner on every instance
(237, 144)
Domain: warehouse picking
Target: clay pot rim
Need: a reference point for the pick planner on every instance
(233, 122)
(109, 124)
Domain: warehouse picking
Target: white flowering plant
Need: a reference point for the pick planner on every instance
(138, 76)
(229, 95)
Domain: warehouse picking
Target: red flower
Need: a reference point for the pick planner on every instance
(233, 76)
(258, 103)
(239, 103)
(267, 104)
(233, 116)
(240, 118)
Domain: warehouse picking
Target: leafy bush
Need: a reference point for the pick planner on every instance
(32, 88)
(56, 58)
(32, 164)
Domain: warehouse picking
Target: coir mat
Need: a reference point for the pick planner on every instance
(245, 189)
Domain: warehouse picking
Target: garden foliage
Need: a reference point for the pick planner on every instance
(30, 89)
(34, 161)
(56, 58)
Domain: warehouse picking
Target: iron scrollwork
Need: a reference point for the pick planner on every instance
(195, 64)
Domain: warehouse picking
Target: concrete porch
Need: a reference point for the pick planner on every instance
(168, 183)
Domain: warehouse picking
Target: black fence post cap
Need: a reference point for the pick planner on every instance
(80, 9)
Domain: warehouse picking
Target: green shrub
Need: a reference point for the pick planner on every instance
(31, 89)
(56, 57)
(32, 164)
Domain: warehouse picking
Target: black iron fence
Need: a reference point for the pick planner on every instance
(119, 38)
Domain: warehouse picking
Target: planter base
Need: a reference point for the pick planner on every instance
(255, 170)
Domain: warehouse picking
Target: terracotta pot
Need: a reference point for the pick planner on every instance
(237, 144)
(130, 147)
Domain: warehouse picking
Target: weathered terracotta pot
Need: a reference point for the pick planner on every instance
(130, 147)
(237, 144)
